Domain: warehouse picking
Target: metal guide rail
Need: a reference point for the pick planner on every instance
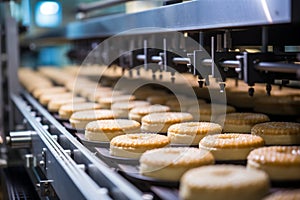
(59, 165)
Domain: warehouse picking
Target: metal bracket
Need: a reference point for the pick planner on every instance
(21, 139)
(45, 188)
(30, 160)
(43, 161)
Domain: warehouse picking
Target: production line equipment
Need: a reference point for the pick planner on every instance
(256, 41)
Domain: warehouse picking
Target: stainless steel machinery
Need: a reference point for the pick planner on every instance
(57, 164)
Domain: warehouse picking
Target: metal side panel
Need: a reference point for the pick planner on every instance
(13, 63)
(1, 89)
(68, 180)
(191, 15)
(70, 174)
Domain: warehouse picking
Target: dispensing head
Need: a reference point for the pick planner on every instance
(268, 88)
(251, 91)
(222, 86)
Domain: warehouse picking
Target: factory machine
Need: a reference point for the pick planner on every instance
(41, 159)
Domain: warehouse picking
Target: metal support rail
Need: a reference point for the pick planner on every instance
(85, 185)
(226, 63)
(86, 7)
(278, 67)
(59, 164)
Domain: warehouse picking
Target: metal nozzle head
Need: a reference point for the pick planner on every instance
(268, 88)
(251, 91)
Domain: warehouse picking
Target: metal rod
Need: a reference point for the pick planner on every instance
(156, 59)
(141, 57)
(278, 67)
(183, 61)
(165, 54)
(213, 56)
(201, 40)
(145, 54)
(265, 39)
(230, 63)
(226, 63)
(206, 62)
(219, 43)
(86, 7)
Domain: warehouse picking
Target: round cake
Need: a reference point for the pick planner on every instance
(55, 104)
(65, 111)
(133, 145)
(278, 133)
(121, 109)
(143, 93)
(231, 146)
(278, 105)
(80, 119)
(139, 112)
(52, 90)
(160, 122)
(46, 98)
(99, 94)
(209, 112)
(284, 195)
(223, 181)
(106, 102)
(183, 104)
(171, 163)
(242, 122)
(88, 91)
(281, 163)
(155, 99)
(105, 130)
(190, 133)
(240, 98)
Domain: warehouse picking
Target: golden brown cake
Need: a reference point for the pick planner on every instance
(106, 102)
(80, 119)
(133, 145)
(241, 122)
(79, 84)
(139, 112)
(44, 99)
(57, 75)
(183, 103)
(86, 92)
(231, 146)
(105, 130)
(278, 105)
(190, 133)
(171, 163)
(284, 195)
(55, 104)
(240, 98)
(144, 92)
(209, 112)
(281, 163)
(65, 111)
(223, 181)
(121, 109)
(155, 99)
(160, 122)
(53, 90)
(32, 80)
(98, 94)
(278, 133)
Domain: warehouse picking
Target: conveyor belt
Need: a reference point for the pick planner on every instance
(18, 185)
